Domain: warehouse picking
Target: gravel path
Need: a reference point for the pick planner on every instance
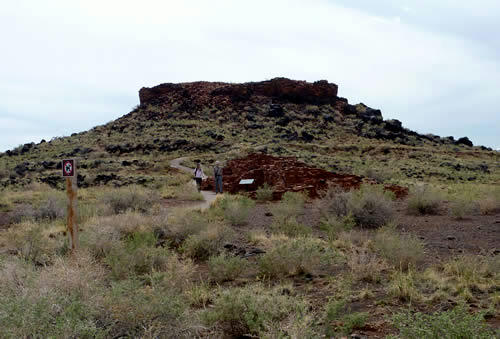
(209, 196)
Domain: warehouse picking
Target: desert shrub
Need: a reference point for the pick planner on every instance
(290, 227)
(22, 212)
(264, 193)
(338, 311)
(237, 210)
(133, 198)
(455, 323)
(402, 250)
(53, 208)
(136, 256)
(424, 199)
(182, 223)
(294, 256)
(371, 208)
(225, 267)
(253, 310)
(365, 265)
(208, 242)
(335, 203)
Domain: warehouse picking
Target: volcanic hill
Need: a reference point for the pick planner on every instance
(281, 117)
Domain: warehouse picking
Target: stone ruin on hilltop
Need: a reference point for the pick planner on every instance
(286, 174)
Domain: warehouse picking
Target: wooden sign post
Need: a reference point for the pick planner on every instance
(69, 172)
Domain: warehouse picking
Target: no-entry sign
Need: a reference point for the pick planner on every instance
(68, 168)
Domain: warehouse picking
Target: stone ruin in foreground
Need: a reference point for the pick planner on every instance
(287, 174)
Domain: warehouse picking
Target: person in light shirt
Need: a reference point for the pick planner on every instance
(198, 176)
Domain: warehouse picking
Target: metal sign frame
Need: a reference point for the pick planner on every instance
(68, 168)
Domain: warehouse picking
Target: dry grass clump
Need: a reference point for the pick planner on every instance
(254, 310)
(490, 202)
(135, 198)
(403, 286)
(291, 256)
(402, 250)
(62, 300)
(364, 265)
(182, 223)
(468, 273)
(187, 191)
(424, 199)
(226, 267)
(29, 241)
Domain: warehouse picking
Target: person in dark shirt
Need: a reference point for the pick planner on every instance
(218, 177)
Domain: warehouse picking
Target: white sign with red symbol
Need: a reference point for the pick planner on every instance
(68, 168)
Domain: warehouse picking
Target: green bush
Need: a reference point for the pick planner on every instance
(237, 210)
(294, 256)
(264, 193)
(424, 199)
(335, 225)
(463, 206)
(253, 310)
(455, 323)
(339, 311)
(290, 227)
(208, 242)
(133, 309)
(225, 267)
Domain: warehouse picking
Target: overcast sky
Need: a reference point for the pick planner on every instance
(66, 66)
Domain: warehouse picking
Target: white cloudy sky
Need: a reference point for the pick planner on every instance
(66, 66)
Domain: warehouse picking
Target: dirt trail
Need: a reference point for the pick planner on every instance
(209, 196)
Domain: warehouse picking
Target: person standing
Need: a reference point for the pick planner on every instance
(198, 175)
(218, 177)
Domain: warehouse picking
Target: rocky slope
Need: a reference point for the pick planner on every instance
(281, 117)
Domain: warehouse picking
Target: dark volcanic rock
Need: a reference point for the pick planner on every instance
(275, 111)
(464, 141)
